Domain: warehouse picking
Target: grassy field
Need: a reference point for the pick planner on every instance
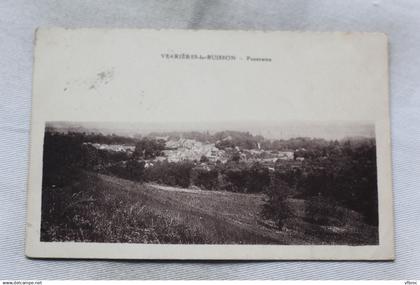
(101, 208)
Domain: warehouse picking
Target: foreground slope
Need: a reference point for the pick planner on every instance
(102, 208)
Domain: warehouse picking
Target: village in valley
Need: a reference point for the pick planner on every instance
(206, 154)
(224, 186)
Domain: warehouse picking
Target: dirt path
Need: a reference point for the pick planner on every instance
(200, 191)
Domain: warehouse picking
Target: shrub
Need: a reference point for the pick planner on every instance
(276, 208)
(205, 178)
(170, 173)
(148, 148)
(258, 178)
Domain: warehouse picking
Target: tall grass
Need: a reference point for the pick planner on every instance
(88, 211)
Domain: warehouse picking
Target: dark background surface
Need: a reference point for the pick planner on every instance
(399, 19)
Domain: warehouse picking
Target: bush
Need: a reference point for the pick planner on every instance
(170, 173)
(148, 148)
(276, 208)
(205, 178)
(235, 177)
(258, 178)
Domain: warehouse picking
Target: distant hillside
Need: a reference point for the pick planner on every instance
(268, 130)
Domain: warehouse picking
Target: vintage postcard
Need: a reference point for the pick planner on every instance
(181, 144)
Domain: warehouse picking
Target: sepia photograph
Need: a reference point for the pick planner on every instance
(209, 145)
(268, 184)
